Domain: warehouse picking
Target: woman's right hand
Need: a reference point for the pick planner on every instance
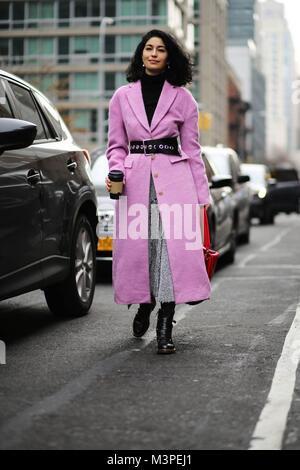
(108, 184)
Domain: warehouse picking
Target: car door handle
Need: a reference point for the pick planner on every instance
(33, 177)
(71, 165)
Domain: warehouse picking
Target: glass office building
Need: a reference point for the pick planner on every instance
(241, 20)
(66, 49)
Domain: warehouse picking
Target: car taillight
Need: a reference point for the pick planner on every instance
(86, 153)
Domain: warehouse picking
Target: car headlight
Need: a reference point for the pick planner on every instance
(262, 193)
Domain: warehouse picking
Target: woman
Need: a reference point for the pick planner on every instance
(146, 120)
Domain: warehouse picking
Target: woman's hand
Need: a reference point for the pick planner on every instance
(108, 184)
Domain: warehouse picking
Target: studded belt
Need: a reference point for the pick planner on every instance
(167, 145)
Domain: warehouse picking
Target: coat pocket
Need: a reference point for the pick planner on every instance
(128, 162)
(178, 158)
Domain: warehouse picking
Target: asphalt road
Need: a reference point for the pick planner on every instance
(88, 384)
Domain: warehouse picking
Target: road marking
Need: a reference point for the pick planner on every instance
(283, 317)
(269, 430)
(264, 248)
(275, 241)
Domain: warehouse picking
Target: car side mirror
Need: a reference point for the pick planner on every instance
(243, 179)
(16, 134)
(272, 182)
(221, 181)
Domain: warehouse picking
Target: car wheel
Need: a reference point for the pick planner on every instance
(245, 237)
(268, 217)
(229, 257)
(73, 297)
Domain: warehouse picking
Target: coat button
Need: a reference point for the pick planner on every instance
(155, 175)
(152, 156)
(161, 193)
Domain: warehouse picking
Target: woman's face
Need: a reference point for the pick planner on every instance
(155, 56)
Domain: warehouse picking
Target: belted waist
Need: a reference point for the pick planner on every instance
(166, 145)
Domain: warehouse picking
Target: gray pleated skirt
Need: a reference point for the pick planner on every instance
(161, 283)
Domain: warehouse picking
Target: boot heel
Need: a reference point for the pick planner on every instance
(164, 328)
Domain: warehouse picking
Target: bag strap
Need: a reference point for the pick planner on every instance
(206, 241)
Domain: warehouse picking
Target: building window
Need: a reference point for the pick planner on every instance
(4, 15)
(18, 9)
(129, 43)
(110, 45)
(4, 44)
(86, 82)
(159, 8)
(81, 121)
(81, 9)
(63, 46)
(46, 10)
(4, 10)
(110, 8)
(110, 81)
(18, 47)
(86, 45)
(95, 8)
(43, 46)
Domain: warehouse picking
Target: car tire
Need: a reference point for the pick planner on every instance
(74, 296)
(229, 257)
(268, 217)
(245, 237)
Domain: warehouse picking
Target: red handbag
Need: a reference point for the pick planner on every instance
(210, 256)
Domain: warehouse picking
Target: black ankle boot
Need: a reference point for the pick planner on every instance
(141, 320)
(164, 328)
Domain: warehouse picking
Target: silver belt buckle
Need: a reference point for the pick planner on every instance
(146, 154)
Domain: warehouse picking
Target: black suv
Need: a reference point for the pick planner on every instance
(48, 212)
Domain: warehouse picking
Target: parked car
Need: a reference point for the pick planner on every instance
(220, 213)
(48, 206)
(106, 206)
(226, 161)
(261, 185)
(286, 197)
(272, 196)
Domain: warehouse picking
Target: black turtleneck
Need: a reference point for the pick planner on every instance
(151, 90)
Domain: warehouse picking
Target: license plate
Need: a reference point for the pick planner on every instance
(105, 244)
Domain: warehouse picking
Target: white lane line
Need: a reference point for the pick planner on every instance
(13, 430)
(264, 248)
(286, 314)
(269, 430)
(248, 258)
(276, 240)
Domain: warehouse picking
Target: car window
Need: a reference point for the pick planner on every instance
(27, 109)
(5, 109)
(257, 173)
(221, 162)
(52, 115)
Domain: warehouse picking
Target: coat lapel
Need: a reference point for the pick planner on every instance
(135, 99)
(167, 96)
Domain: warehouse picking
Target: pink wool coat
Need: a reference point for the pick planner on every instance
(179, 180)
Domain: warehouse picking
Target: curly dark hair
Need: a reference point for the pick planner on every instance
(180, 71)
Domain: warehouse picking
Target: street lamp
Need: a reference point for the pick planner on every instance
(104, 21)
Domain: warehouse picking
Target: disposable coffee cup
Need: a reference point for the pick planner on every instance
(116, 178)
